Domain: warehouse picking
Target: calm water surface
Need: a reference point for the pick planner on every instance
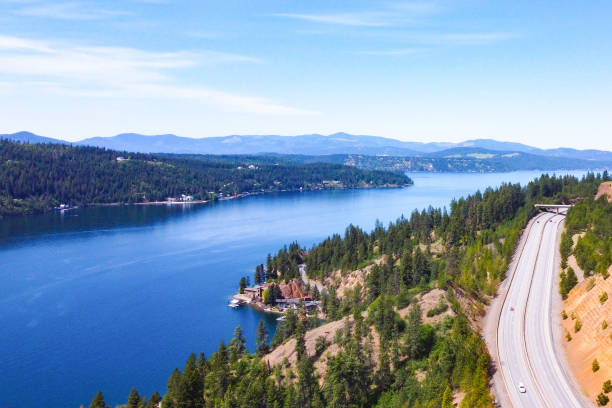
(115, 297)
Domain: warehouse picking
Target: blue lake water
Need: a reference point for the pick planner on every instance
(108, 298)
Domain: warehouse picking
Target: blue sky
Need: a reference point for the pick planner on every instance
(530, 71)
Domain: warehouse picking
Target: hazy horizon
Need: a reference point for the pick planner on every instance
(298, 135)
(424, 71)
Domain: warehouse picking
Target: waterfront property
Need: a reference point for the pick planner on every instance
(292, 294)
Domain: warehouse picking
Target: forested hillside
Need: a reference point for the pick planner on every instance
(471, 160)
(36, 177)
(591, 221)
(464, 252)
(459, 160)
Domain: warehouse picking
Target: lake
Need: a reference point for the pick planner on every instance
(106, 298)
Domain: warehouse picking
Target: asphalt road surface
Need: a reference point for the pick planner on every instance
(524, 331)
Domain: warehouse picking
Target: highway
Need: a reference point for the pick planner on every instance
(524, 332)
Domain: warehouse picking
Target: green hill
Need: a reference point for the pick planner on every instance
(37, 177)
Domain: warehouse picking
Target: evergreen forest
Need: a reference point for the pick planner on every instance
(379, 358)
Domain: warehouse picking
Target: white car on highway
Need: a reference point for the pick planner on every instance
(522, 388)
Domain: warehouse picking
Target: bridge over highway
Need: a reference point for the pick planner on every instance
(556, 208)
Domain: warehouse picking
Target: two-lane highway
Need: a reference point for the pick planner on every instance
(524, 333)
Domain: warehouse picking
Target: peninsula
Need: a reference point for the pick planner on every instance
(38, 177)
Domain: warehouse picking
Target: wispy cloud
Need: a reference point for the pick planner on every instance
(347, 19)
(67, 11)
(117, 72)
(22, 44)
(393, 14)
(413, 7)
(473, 38)
(391, 53)
(394, 17)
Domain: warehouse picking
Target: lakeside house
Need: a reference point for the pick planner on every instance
(294, 293)
(284, 304)
(256, 292)
(185, 198)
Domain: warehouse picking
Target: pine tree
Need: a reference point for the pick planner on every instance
(572, 279)
(174, 389)
(269, 273)
(237, 345)
(447, 398)
(154, 400)
(192, 385)
(383, 376)
(307, 383)
(98, 401)
(217, 378)
(133, 399)
(300, 342)
(261, 338)
(413, 332)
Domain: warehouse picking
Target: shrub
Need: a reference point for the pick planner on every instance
(603, 297)
(595, 365)
(440, 308)
(602, 399)
(577, 326)
(590, 284)
(607, 386)
(563, 315)
(320, 345)
(568, 336)
(338, 336)
(604, 325)
(573, 316)
(567, 282)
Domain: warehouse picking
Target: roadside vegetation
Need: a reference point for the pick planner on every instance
(592, 220)
(377, 357)
(586, 244)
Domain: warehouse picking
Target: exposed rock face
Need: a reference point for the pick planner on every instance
(605, 188)
(295, 289)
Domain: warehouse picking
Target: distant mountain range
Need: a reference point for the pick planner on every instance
(479, 150)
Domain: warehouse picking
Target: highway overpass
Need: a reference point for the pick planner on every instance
(556, 208)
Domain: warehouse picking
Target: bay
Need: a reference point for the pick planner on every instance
(106, 298)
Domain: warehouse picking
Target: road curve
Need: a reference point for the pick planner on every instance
(524, 333)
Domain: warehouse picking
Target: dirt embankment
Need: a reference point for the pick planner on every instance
(328, 331)
(346, 281)
(593, 340)
(605, 188)
(571, 260)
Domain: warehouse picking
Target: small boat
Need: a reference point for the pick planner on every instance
(269, 310)
(280, 319)
(235, 303)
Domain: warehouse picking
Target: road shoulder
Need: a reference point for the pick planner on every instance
(557, 329)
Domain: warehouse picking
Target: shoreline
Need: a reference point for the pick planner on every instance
(199, 202)
(243, 195)
(255, 305)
